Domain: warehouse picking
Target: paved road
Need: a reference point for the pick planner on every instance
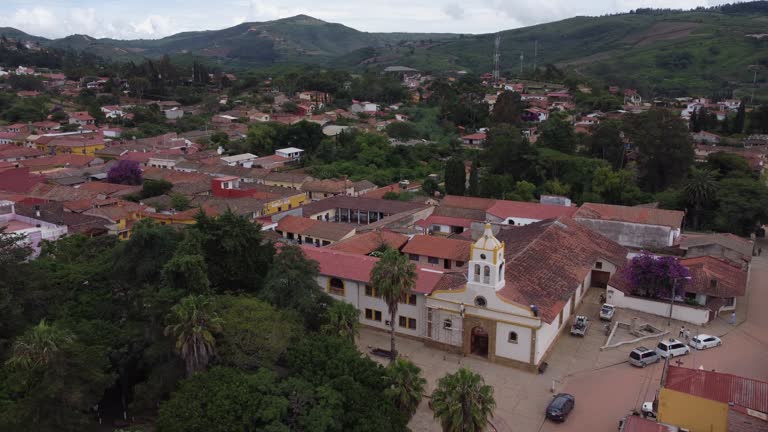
(605, 395)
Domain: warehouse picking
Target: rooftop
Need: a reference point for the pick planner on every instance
(639, 215)
(388, 207)
(439, 247)
(726, 388)
(364, 244)
(529, 210)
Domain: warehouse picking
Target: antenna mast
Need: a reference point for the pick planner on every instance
(496, 57)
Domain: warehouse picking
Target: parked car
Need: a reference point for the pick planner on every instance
(704, 341)
(642, 357)
(672, 348)
(560, 407)
(647, 410)
(607, 311)
(580, 325)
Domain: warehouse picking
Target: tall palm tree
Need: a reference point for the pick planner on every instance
(699, 190)
(39, 346)
(344, 320)
(193, 324)
(393, 276)
(462, 402)
(407, 386)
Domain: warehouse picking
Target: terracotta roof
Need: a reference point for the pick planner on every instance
(358, 268)
(54, 213)
(81, 115)
(364, 244)
(727, 240)
(475, 136)
(529, 210)
(8, 151)
(639, 215)
(109, 188)
(295, 224)
(741, 420)
(467, 202)
(363, 185)
(242, 206)
(546, 261)
(477, 215)
(288, 177)
(43, 163)
(446, 220)
(439, 247)
(726, 388)
(314, 228)
(715, 277)
(326, 186)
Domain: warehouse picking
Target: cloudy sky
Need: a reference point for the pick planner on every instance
(149, 19)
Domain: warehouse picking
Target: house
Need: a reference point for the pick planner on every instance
(535, 115)
(635, 227)
(362, 187)
(275, 199)
(521, 289)
(367, 243)
(632, 97)
(270, 162)
(364, 107)
(286, 179)
(358, 210)
(174, 113)
(726, 246)
(635, 423)
(439, 252)
(75, 144)
(81, 118)
(436, 224)
(303, 230)
(164, 161)
(112, 111)
(713, 288)
(702, 400)
(33, 229)
(121, 215)
(13, 153)
(244, 160)
(320, 189)
(291, 153)
(258, 116)
(475, 139)
(58, 213)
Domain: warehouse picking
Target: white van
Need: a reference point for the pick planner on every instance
(672, 348)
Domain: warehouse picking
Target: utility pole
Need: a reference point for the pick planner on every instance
(496, 58)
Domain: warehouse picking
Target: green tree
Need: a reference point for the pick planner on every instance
(343, 320)
(291, 284)
(13, 255)
(700, 190)
(739, 121)
(255, 334)
(462, 402)
(616, 187)
(455, 177)
(742, 204)
(186, 271)
(429, 187)
(401, 130)
(666, 151)
(153, 188)
(193, 326)
(225, 399)
(556, 187)
(138, 86)
(557, 133)
(261, 138)
(236, 256)
(394, 277)
(508, 108)
(179, 202)
(758, 120)
(725, 164)
(474, 180)
(407, 386)
(40, 346)
(607, 143)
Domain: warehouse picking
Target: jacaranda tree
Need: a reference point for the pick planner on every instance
(654, 276)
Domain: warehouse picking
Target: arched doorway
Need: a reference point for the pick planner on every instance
(479, 342)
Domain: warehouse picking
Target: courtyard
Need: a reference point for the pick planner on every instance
(606, 387)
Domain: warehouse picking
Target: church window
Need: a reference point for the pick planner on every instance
(480, 301)
(512, 338)
(487, 275)
(448, 324)
(477, 272)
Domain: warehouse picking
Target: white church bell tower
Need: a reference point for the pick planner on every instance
(486, 265)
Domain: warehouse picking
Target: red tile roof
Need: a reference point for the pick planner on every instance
(639, 215)
(715, 277)
(474, 136)
(48, 162)
(446, 220)
(439, 247)
(358, 268)
(109, 188)
(640, 424)
(529, 210)
(467, 202)
(726, 388)
(546, 261)
(364, 244)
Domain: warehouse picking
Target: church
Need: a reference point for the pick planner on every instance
(519, 290)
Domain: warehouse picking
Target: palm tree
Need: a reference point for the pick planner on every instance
(462, 402)
(193, 326)
(699, 190)
(393, 276)
(407, 386)
(344, 320)
(39, 346)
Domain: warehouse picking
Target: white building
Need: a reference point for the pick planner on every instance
(33, 230)
(291, 153)
(518, 292)
(244, 160)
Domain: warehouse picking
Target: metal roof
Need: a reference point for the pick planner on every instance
(721, 387)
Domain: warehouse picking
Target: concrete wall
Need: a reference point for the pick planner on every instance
(424, 260)
(682, 312)
(692, 412)
(520, 351)
(631, 234)
(715, 250)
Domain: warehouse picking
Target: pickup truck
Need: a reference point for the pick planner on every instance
(607, 311)
(580, 324)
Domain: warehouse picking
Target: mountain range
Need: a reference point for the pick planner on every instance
(664, 50)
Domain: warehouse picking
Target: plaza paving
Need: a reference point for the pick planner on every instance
(605, 386)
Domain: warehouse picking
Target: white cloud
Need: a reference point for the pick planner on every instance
(454, 11)
(154, 26)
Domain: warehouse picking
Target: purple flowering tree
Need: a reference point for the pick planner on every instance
(651, 276)
(125, 172)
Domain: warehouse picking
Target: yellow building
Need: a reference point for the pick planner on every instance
(706, 401)
(81, 144)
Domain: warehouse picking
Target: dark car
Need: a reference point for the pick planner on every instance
(561, 405)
